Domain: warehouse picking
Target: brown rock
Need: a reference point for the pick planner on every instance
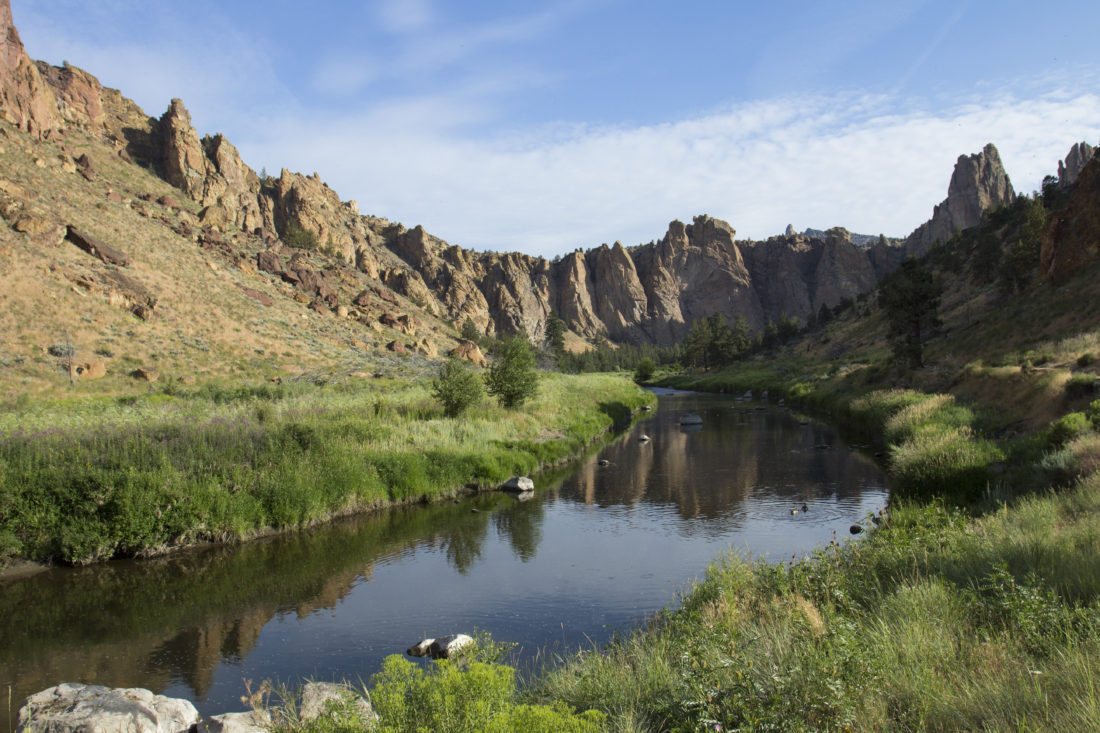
(269, 262)
(362, 299)
(145, 374)
(471, 352)
(389, 319)
(262, 298)
(34, 225)
(118, 290)
(397, 347)
(114, 197)
(97, 248)
(89, 370)
(168, 202)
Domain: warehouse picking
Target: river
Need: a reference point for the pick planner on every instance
(598, 549)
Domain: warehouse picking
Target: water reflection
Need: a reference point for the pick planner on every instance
(597, 548)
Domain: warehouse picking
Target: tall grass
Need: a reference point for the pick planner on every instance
(87, 481)
(932, 623)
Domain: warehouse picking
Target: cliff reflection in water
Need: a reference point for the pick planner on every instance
(165, 621)
(599, 547)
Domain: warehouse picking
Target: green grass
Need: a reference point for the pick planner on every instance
(934, 622)
(85, 480)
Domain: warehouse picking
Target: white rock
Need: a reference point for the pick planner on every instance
(255, 721)
(442, 648)
(77, 708)
(316, 695)
(519, 483)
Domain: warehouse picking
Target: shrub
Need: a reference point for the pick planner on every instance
(1066, 428)
(644, 371)
(475, 697)
(513, 378)
(1080, 385)
(457, 387)
(299, 237)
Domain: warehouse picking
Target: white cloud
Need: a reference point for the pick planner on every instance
(867, 163)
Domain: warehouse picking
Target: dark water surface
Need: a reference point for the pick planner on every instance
(593, 553)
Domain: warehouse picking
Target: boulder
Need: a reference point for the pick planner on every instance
(269, 262)
(254, 721)
(397, 347)
(317, 695)
(145, 374)
(89, 370)
(518, 483)
(97, 248)
(78, 708)
(262, 298)
(444, 647)
(471, 352)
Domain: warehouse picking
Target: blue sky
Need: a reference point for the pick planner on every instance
(545, 126)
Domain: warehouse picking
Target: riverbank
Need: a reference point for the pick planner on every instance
(973, 604)
(100, 477)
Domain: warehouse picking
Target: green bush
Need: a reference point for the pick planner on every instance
(513, 378)
(644, 371)
(457, 387)
(458, 698)
(1080, 385)
(298, 237)
(1066, 428)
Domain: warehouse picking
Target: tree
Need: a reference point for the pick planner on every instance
(644, 371)
(555, 334)
(697, 343)
(469, 330)
(513, 378)
(910, 298)
(457, 387)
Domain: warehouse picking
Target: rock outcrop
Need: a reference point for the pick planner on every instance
(978, 184)
(25, 99)
(1071, 239)
(1076, 159)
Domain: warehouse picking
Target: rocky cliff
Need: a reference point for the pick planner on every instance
(979, 183)
(1071, 240)
(646, 294)
(1076, 159)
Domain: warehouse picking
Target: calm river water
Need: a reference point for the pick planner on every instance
(593, 553)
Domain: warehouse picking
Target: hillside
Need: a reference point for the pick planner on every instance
(224, 273)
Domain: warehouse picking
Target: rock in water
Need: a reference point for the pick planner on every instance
(77, 708)
(444, 647)
(518, 483)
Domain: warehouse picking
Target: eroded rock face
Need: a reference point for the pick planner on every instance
(1076, 159)
(76, 708)
(25, 99)
(78, 94)
(1071, 239)
(978, 184)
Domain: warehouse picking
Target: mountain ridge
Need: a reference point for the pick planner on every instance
(650, 293)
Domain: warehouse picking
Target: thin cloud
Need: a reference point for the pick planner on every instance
(853, 161)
